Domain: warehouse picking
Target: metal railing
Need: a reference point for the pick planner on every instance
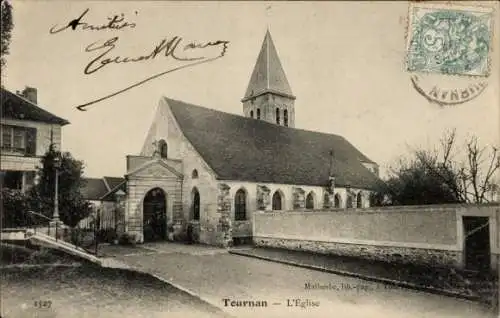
(36, 226)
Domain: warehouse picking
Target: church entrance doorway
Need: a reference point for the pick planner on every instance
(155, 215)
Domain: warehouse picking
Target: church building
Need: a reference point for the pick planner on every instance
(202, 173)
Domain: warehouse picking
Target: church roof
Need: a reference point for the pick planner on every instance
(268, 74)
(245, 149)
(17, 107)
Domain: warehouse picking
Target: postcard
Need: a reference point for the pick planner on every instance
(250, 159)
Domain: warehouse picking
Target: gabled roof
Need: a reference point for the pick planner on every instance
(157, 161)
(110, 196)
(268, 74)
(93, 189)
(246, 149)
(112, 182)
(97, 188)
(17, 107)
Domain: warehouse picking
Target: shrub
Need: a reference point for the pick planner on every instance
(82, 237)
(107, 235)
(14, 206)
(127, 239)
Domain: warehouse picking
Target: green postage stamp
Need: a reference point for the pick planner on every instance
(451, 40)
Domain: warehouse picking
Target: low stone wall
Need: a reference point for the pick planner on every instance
(418, 256)
(424, 235)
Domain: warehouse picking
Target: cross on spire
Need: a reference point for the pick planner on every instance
(268, 14)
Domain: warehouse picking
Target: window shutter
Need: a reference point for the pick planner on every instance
(31, 141)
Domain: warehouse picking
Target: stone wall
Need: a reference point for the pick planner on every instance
(431, 235)
(371, 252)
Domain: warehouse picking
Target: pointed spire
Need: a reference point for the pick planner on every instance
(268, 75)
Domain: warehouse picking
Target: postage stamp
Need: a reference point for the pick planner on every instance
(452, 40)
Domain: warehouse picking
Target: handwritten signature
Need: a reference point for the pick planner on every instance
(115, 23)
(168, 47)
(174, 48)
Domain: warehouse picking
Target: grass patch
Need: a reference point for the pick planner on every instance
(13, 254)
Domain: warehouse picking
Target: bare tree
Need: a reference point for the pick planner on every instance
(471, 178)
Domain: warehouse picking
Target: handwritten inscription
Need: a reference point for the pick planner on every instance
(117, 22)
(169, 48)
(190, 53)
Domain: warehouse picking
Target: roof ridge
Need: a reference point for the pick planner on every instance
(251, 119)
(24, 99)
(241, 148)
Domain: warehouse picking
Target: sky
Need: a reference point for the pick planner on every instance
(343, 60)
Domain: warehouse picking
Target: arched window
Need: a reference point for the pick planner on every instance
(194, 174)
(337, 200)
(195, 205)
(240, 206)
(310, 201)
(359, 200)
(258, 113)
(277, 201)
(277, 116)
(163, 148)
(285, 118)
(349, 201)
(251, 113)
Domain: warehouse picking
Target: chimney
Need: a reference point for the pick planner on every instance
(30, 93)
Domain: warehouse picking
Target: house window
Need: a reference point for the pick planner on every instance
(277, 204)
(12, 180)
(258, 113)
(359, 200)
(195, 206)
(285, 118)
(251, 113)
(337, 200)
(194, 174)
(240, 208)
(18, 139)
(310, 201)
(277, 116)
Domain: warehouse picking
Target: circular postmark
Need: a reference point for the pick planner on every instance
(448, 51)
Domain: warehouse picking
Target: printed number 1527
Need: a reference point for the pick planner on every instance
(42, 303)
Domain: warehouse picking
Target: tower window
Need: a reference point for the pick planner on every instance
(163, 148)
(251, 113)
(285, 118)
(258, 113)
(277, 116)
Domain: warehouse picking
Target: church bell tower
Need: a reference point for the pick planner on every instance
(269, 96)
